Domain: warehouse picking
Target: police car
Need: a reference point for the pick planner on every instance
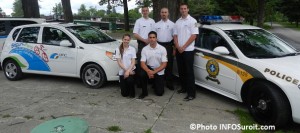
(250, 65)
(60, 49)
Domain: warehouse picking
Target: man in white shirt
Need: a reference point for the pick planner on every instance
(165, 30)
(141, 29)
(153, 63)
(186, 31)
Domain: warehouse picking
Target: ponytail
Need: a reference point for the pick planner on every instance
(121, 48)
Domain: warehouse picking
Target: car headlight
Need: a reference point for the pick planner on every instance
(111, 55)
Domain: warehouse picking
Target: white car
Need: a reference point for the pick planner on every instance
(7, 24)
(250, 65)
(60, 49)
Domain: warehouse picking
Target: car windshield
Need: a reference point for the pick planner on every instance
(89, 35)
(257, 43)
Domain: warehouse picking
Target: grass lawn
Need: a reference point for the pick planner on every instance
(246, 119)
(289, 25)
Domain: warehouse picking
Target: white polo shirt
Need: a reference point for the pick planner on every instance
(143, 26)
(128, 54)
(164, 30)
(154, 56)
(184, 28)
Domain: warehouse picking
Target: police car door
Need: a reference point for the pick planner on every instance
(61, 59)
(214, 70)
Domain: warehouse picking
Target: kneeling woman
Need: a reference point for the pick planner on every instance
(126, 56)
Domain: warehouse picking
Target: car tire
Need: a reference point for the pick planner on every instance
(268, 105)
(12, 70)
(93, 76)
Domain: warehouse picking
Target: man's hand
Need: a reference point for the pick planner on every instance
(126, 74)
(181, 49)
(150, 74)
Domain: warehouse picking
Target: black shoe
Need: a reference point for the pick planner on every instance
(142, 96)
(181, 91)
(131, 96)
(171, 87)
(188, 98)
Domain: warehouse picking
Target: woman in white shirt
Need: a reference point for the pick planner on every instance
(126, 56)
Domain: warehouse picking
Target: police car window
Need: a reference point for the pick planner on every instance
(16, 32)
(53, 36)
(2, 28)
(257, 43)
(208, 39)
(29, 35)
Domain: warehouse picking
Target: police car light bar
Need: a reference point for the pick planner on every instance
(209, 19)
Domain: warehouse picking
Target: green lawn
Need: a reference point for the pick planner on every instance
(246, 119)
(289, 25)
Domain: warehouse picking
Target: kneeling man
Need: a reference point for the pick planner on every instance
(153, 62)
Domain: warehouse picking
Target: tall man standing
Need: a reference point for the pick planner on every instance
(185, 34)
(141, 29)
(165, 30)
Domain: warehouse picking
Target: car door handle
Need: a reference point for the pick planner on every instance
(200, 54)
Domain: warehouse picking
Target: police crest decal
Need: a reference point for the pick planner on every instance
(212, 68)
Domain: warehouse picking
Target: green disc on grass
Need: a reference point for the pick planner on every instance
(62, 125)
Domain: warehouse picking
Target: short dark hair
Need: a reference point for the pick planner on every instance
(145, 7)
(183, 4)
(152, 32)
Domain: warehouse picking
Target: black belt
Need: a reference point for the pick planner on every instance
(165, 43)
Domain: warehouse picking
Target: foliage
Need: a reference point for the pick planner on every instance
(17, 9)
(202, 7)
(114, 129)
(57, 9)
(142, 3)
(290, 8)
(83, 12)
(134, 13)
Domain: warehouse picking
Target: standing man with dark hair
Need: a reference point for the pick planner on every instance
(153, 63)
(165, 31)
(141, 29)
(186, 31)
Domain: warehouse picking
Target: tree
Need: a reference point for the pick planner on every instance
(57, 10)
(83, 12)
(17, 9)
(68, 15)
(290, 8)
(261, 12)
(118, 3)
(172, 5)
(30, 8)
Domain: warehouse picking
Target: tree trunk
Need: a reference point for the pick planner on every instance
(261, 12)
(172, 5)
(126, 17)
(31, 8)
(68, 15)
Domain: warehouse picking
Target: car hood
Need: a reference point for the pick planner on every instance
(289, 64)
(110, 46)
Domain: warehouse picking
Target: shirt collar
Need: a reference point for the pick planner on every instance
(164, 21)
(187, 17)
(156, 47)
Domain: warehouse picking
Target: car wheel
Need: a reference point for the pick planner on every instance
(93, 76)
(12, 70)
(268, 105)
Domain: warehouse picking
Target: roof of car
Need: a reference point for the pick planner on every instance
(54, 24)
(232, 26)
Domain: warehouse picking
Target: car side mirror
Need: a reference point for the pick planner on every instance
(65, 43)
(221, 50)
